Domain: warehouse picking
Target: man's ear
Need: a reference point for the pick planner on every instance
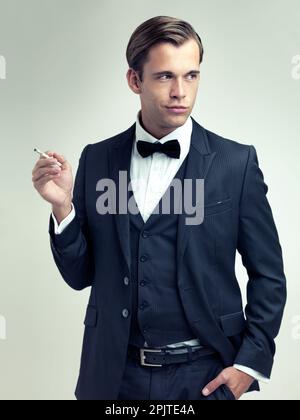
(134, 81)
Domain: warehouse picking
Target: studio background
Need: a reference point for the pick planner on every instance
(62, 86)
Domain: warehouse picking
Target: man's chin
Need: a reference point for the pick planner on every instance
(176, 120)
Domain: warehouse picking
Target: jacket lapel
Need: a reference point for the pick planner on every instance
(199, 162)
(119, 160)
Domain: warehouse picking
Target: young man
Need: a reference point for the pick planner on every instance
(165, 317)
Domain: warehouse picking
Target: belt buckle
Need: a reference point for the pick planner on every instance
(143, 357)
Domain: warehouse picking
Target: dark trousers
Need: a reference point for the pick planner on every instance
(178, 381)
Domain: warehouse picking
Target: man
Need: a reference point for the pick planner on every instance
(165, 317)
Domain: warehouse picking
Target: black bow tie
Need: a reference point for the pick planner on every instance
(170, 148)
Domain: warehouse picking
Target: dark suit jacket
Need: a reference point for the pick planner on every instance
(94, 250)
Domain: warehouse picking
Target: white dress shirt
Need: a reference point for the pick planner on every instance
(150, 178)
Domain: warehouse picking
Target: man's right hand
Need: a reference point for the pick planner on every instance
(54, 183)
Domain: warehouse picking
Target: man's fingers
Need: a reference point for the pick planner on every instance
(49, 153)
(44, 163)
(40, 172)
(213, 385)
(43, 180)
(60, 158)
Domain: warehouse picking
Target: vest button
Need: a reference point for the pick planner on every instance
(126, 281)
(125, 313)
(143, 258)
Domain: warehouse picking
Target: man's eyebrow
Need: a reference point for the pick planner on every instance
(169, 73)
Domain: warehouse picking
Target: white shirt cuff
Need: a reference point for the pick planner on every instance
(58, 228)
(256, 375)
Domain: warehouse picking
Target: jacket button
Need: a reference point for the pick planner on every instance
(143, 258)
(143, 305)
(126, 281)
(125, 313)
(145, 234)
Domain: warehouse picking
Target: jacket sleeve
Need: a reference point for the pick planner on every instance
(259, 246)
(71, 249)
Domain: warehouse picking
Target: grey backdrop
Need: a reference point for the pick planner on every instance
(63, 85)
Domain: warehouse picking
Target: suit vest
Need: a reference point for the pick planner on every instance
(158, 315)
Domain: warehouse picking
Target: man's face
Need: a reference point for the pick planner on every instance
(170, 78)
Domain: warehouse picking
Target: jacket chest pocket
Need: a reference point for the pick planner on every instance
(217, 207)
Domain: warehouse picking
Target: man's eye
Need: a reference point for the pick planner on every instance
(193, 76)
(164, 76)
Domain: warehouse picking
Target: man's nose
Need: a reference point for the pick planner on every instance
(177, 89)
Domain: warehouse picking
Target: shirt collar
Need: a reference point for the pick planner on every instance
(182, 134)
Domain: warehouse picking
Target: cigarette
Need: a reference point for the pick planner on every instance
(43, 154)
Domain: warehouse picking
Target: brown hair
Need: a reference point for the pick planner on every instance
(154, 31)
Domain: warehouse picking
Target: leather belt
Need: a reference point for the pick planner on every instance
(167, 356)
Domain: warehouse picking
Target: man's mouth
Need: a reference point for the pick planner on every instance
(177, 109)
